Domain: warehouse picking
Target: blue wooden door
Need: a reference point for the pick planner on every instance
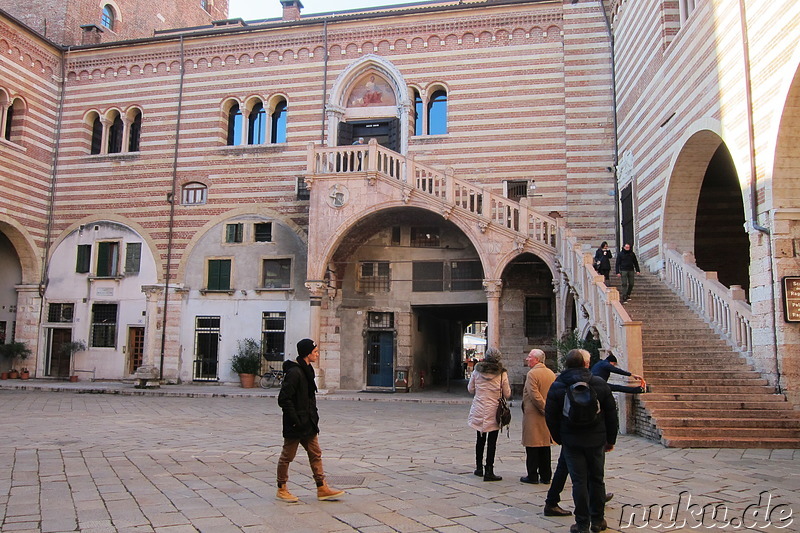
(380, 359)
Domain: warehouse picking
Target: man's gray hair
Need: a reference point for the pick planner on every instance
(538, 354)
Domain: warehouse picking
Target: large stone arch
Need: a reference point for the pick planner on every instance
(336, 106)
(786, 165)
(25, 246)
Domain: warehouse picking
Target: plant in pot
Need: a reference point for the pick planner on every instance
(247, 361)
(71, 348)
(15, 350)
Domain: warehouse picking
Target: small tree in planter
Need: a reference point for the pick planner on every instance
(15, 350)
(247, 361)
(71, 348)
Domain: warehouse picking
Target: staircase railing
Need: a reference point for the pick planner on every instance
(724, 308)
(373, 158)
(617, 331)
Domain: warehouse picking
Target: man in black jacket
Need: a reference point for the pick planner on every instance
(627, 267)
(584, 445)
(301, 421)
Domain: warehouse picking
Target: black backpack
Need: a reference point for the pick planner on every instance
(581, 406)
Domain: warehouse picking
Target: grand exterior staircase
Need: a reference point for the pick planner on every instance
(703, 393)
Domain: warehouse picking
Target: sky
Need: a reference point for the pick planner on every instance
(263, 9)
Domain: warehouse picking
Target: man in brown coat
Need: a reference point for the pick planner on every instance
(535, 435)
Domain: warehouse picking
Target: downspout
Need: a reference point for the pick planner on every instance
(324, 78)
(748, 91)
(616, 125)
(171, 229)
(43, 279)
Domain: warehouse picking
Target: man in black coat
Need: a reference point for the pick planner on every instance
(627, 267)
(301, 421)
(584, 445)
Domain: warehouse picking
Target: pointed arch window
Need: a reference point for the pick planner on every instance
(257, 125)
(279, 115)
(97, 135)
(135, 132)
(418, 113)
(437, 113)
(115, 135)
(234, 125)
(107, 17)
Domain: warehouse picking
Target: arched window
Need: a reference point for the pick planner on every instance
(417, 113)
(135, 132)
(204, 4)
(437, 113)
(115, 135)
(107, 18)
(12, 120)
(9, 123)
(257, 125)
(194, 193)
(279, 123)
(234, 126)
(97, 135)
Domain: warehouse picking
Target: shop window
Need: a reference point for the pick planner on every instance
(104, 325)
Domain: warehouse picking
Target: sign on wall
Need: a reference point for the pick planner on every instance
(791, 298)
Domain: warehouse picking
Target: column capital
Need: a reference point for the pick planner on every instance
(493, 287)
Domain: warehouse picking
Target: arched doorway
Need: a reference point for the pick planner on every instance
(704, 209)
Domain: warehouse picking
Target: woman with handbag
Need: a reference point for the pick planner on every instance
(488, 383)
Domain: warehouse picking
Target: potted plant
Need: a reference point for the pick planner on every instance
(15, 350)
(247, 361)
(24, 373)
(70, 348)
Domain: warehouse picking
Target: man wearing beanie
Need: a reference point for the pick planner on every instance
(301, 421)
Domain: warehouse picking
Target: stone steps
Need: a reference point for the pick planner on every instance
(703, 393)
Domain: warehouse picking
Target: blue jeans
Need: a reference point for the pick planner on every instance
(586, 468)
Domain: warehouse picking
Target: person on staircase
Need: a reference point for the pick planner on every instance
(535, 435)
(301, 422)
(605, 367)
(488, 381)
(602, 260)
(627, 267)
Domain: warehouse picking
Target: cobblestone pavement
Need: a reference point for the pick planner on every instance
(175, 464)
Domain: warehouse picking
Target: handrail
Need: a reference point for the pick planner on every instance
(724, 308)
(462, 194)
(621, 335)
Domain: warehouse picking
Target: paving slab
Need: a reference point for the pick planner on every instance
(189, 458)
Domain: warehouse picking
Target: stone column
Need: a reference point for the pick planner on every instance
(318, 290)
(493, 288)
(27, 327)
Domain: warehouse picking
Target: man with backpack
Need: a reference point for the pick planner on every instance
(581, 415)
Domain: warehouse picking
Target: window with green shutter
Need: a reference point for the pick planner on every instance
(84, 258)
(107, 259)
(234, 233)
(133, 257)
(219, 274)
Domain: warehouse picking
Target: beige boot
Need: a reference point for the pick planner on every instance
(286, 496)
(324, 492)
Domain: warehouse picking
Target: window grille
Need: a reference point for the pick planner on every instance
(466, 275)
(273, 335)
(427, 276)
(427, 237)
(374, 277)
(60, 312)
(104, 325)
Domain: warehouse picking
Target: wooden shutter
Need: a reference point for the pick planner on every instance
(133, 257)
(84, 258)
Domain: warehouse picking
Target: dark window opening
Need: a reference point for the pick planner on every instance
(374, 277)
(538, 317)
(97, 136)
(273, 335)
(263, 232)
(466, 276)
(427, 237)
(107, 259)
(277, 274)
(84, 260)
(418, 110)
(115, 136)
(135, 133)
(427, 276)
(104, 325)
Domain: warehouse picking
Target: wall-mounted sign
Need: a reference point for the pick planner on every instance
(104, 291)
(791, 298)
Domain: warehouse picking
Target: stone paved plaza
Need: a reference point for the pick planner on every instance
(175, 464)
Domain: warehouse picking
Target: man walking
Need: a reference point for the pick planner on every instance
(301, 421)
(535, 435)
(582, 416)
(627, 266)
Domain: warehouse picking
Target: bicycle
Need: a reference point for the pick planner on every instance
(271, 378)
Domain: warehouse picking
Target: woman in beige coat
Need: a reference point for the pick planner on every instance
(488, 381)
(535, 435)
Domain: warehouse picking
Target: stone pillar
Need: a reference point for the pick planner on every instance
(493, 288)
(27, 327)
(318, 290)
